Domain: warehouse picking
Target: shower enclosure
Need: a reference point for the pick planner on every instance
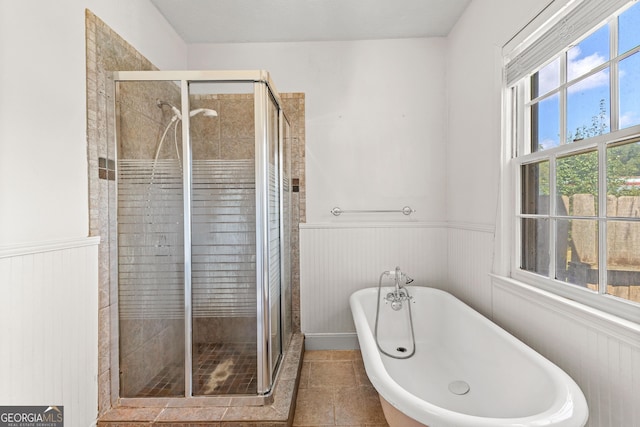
(202, 167)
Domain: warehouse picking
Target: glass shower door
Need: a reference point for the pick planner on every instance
(150, 240)
(202, 217)
(223, 239)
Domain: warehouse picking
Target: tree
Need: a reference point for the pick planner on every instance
(578, 174)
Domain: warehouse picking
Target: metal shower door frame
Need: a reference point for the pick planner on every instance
(264, 89)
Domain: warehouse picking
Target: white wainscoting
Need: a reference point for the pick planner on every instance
(470, 258)
(602, 356)
(601, 353)
(338, 259)
(49, 332)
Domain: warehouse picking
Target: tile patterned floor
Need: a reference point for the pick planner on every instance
(219, 369)
(225, 369)
(335, 391)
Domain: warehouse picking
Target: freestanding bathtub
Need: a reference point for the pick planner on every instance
(466, 370)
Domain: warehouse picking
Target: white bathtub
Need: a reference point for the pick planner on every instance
(509, 383)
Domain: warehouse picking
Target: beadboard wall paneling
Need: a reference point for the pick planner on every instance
(49, 334)
(469, 260)
(337, 260)
(601, 355)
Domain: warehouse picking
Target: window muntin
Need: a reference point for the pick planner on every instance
(579, 167)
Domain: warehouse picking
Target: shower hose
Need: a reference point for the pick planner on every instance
(413, 339)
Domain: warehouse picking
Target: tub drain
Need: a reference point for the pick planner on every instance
(401, 349)
(459, 387)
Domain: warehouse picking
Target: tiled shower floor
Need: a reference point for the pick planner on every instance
(218, 368)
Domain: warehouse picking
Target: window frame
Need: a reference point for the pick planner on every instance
(517, 120)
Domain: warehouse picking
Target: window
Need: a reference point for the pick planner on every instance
(576, 153)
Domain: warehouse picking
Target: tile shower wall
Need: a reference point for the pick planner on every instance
(106, 51)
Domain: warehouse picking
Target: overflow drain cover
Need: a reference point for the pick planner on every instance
(459, 387)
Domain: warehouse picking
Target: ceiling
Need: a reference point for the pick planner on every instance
(246, 21)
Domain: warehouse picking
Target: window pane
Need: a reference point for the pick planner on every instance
(577, 252)
(535, 245)
(623, 179)
(588, 107)
(535, 188)
(623, 259)
(629, 81)
(629, 29)
(545, 124)
(588, 54)
(545, 80)
(577, 184)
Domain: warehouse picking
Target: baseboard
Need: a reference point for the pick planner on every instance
(325, 341)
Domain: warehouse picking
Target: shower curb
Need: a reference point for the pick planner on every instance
(274, 410)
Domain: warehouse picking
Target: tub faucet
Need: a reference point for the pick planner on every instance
(400, 294)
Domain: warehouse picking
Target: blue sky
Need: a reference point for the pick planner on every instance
(584, 97)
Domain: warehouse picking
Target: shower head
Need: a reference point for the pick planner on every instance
(205, 112)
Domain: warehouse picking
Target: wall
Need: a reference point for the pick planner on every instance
(360, 96)
(374, 140)
(375, 118)
(48, 309)
(43, 166)
(474, 84)
(599, 352)
(337, 260)
(44, 206)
